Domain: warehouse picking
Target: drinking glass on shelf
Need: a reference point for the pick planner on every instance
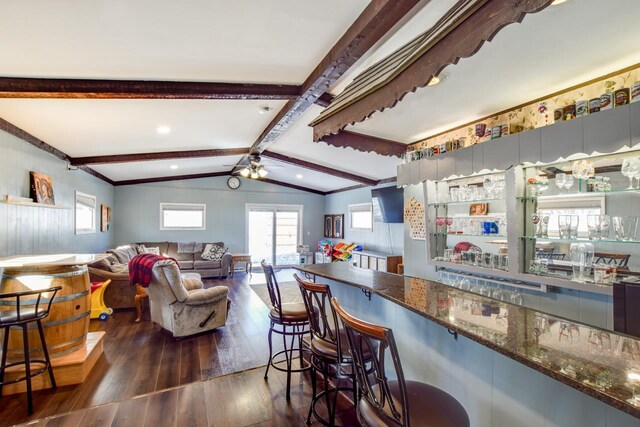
(440, 221)
(560, 180)
(504, 262)
(454, 194)
(449, 222)
(499, 187)
(630, 169)
(448, 253)
(465, 284)
(593, 226)
(568, 226)
(498, 294)
(581, 261)
(605, 222)
(489, 184)
(625, 227)
(568, 182)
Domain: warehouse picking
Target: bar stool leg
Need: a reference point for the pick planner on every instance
(46, 355)
(313, 393)
(266, 373)
(27, 366)
(288, 356)
(5, 343)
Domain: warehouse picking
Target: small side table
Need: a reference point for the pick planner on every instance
(241, 258)
(141, 294)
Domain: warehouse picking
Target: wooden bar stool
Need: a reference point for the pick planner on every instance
(26, 312)
(289, 320)
(383, 402)
(329, 349)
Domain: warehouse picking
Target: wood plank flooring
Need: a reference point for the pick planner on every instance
(140, 359)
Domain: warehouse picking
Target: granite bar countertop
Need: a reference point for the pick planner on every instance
(600, 363)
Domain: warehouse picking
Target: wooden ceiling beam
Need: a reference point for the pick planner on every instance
(294, 186)
(170, 178)
(15, 87)
(38, 143)
(357, 187)
(162, 155)
(319, 168)
(370, 26)
(366, 143)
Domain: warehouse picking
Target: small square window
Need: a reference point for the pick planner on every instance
(182, 216)
(360, 217)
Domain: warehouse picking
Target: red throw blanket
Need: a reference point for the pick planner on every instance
(141, 268)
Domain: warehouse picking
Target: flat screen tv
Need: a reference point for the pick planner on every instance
(388, 204)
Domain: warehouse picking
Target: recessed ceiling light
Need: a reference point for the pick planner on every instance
(163, 130)
(556, 2)
(299, 176)
(173, 167)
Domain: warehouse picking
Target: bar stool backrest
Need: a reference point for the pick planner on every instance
(323, 321)
(368, 339)
(26, 298)
(620, 260)
(272, 287)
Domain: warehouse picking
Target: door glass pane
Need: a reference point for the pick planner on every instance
(261, 236)
(287, 226)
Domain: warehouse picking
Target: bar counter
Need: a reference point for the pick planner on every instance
(600, 363)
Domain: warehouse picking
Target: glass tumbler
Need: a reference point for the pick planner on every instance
(625, 227)
(593, 226)
(568, 226)
(581, 260)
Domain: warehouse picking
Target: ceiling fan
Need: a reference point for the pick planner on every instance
(255, 169)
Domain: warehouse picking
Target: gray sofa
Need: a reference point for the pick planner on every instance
(120, 294)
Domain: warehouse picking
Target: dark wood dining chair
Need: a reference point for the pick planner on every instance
(329, 349)
(289, 320)
(400, 402)
(618, 260)
(30, 307)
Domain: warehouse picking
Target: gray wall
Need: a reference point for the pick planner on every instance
(37, 230)
(415, 251)
(384, 237)
(137, 216)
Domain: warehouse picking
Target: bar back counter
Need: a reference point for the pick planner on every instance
(508, 365)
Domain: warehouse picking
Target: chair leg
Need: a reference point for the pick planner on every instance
(313, 393)
(46, 355)
(327, 397)
(5, 343)
(266, 373)
(27, 366)
(287, 356)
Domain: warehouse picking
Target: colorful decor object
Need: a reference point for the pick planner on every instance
(42, 188)
(414, 216)
(342, 251)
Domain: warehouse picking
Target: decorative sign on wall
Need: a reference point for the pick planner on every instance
(414, 216)
(105, 218)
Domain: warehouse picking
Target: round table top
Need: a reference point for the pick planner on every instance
(51, 260)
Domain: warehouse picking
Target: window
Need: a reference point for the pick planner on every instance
(360, 217)
(182, 216)
(567, 205)
(85, 213)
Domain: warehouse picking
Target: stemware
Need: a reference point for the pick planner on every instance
(560, 180)
(568, 182)
(516, 298)
(630, 169)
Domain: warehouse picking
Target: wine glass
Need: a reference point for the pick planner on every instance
(568, 182)
(561, 179)
(489, 184)
(628, 170)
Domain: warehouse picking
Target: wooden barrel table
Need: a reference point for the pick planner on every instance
(66, 327)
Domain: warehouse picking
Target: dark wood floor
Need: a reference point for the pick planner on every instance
(140, 359)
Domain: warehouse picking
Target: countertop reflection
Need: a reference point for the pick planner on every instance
(600, 363)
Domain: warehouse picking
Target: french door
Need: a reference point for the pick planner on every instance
(274, 233)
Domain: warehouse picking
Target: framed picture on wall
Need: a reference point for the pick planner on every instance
(328, 226)
(105, 217)
(41, 188)
(338, 226)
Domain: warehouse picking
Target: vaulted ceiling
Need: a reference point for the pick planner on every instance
(268, 65)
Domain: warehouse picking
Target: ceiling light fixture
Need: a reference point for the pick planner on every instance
(557, 2)
(299, 176)
(254, 171)
(174, 167)
(163, 130)
(264, 109)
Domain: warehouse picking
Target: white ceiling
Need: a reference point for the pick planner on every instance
(275, 41)
(88, 127)
(298, 142)
(554, 49)
(160, 168)
(310, 179)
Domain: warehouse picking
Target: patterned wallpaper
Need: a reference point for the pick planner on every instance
(532, 115)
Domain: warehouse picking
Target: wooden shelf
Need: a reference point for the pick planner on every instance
(11, 201)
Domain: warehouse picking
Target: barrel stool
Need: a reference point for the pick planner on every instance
(22, 316)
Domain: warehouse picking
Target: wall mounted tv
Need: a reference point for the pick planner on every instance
(388, 204)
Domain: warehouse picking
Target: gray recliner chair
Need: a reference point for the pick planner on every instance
(181, 305)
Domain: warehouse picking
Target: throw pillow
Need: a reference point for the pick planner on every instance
(152, 250)
(119, 268)
(142, 249)
(213, 252)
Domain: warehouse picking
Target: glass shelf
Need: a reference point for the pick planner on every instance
(466, 235)
(581, 194)
(466, 202)
(578, 240)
